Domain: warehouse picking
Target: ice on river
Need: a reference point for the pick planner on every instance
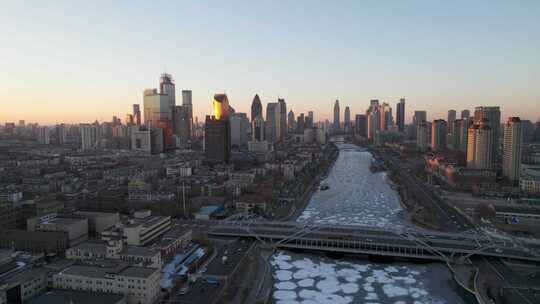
(356, 196)
(323, 281)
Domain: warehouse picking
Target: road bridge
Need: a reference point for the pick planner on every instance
(409, 243)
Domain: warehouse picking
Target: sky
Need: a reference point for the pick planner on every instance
(78, 61)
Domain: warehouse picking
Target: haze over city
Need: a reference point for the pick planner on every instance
(78, 62)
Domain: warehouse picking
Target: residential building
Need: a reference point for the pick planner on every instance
(479, 145)
(438, 135)
(512, 149)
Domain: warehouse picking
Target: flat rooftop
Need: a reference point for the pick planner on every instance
(58, 296)
(100, 272)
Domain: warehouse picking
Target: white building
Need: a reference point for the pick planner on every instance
(142, 229)
(89, 136)
(44, 135)
(139, 284)
(115, 249)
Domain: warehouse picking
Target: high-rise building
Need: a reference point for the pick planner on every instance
(181, 123)
(311, 116)
(291, 123)
(337, 126)
(129, 119)
(386, 119)
(450, 125)
(479, 145)
(166, 87)
(400, 115)
(271, 121)
(512, 149)
(423, 135)
(217, 131)
(347, 119)
(258, 129)
(527, 131)
(493, 117)
(43, 135)
(419, 116)
(156, 107)
(188, 103)
(147, 140)
(360, 125)
(300, 123)
(537, 131)
(281, 120)
(439, 130)
(256, 107)
(240, 127)
(373, 122)
(137, 114)
(61, 134)
(459, 140)
(89, 136)
(465, 114)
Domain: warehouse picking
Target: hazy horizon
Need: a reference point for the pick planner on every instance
(78, 62)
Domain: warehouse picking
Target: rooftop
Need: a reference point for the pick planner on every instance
(100, 272)
(58, 296)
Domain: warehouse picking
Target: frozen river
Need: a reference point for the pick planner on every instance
(357, 197)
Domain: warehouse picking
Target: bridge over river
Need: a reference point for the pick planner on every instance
(409, 243)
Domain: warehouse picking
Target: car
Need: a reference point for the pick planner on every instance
(498, 250)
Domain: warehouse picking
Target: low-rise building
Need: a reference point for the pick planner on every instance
(140, 285)
(115, 249)
(529, 180)
(142, 229)
(59, 296)
(76, 228)
(99, 221)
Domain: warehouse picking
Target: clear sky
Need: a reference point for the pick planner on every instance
(76, 61)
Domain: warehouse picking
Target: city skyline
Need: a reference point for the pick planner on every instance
(92, 70)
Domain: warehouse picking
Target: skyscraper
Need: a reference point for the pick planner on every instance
(137, 114)
(450, 125)
(493, 117)
(439, 131)
(360, 125)
(281, 120)
(156, 107)
(256, 107)
(89, 136)
(187, 103)
(347, 119)
(258, 129)
(465, 114)
(43, 135)
(291, 124)
(373, 122)
(386, 116)
(337, 126)
(400, 115)
(459, 140)
(419, 116)
(479, 145)
(181, 123)
(311, 116)
(240, 127)
(271, 121)
(423, 135)
(217, 131)
(166, 87)
(512, 149)
(300, 123)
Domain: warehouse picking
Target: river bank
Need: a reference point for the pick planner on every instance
(358, 197)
